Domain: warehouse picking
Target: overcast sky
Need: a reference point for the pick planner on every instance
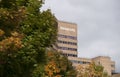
(98, 25)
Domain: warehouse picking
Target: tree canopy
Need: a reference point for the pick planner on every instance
(58, 66)
(25, 34)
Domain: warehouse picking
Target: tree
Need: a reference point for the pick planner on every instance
(58, 66)
(25, 33)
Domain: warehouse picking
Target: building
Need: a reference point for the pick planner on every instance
(106, 62)
(67, 38)
(67, 44)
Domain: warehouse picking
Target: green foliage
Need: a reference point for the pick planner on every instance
(35, 30)
(41, 27)
(25, 34)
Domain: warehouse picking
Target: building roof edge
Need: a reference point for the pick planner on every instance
(66, 22)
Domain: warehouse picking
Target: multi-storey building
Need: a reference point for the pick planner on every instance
(67, 44)
(67, 38)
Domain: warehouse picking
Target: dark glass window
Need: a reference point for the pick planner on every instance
(66, 54)
(66, 42)
(66, 48)
(66, 36)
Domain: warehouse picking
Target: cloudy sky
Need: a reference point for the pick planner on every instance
(98, 25)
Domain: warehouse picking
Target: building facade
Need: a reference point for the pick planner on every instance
(67, 38)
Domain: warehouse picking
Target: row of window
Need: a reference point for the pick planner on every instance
(73, 55)
(66, 36)
(80, 62)
(65, 42)
(66, 48)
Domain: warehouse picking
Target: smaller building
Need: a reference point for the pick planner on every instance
(105, 61)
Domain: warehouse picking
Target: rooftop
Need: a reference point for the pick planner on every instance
(67, 22)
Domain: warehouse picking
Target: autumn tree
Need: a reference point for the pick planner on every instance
(25, 33)
(58, 66)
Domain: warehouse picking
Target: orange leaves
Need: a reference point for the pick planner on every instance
(11, 20)
(10, 43)
(50, 54)
(58, 65)
(52, 70)
(58, 76)
(14, 33)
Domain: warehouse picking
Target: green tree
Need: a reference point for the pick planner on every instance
(25, 33)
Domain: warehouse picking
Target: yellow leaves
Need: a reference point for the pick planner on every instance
(22, 10)
(1, 32)
(52, 70)
(50, 54)
(15, 34)
(17, 42)
(4, 13)
(13, 17)
(11, 43)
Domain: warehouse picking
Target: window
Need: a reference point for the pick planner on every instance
(66, 36)
(66, 54)
(80, 62)
(66, 48)
(66, 42)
